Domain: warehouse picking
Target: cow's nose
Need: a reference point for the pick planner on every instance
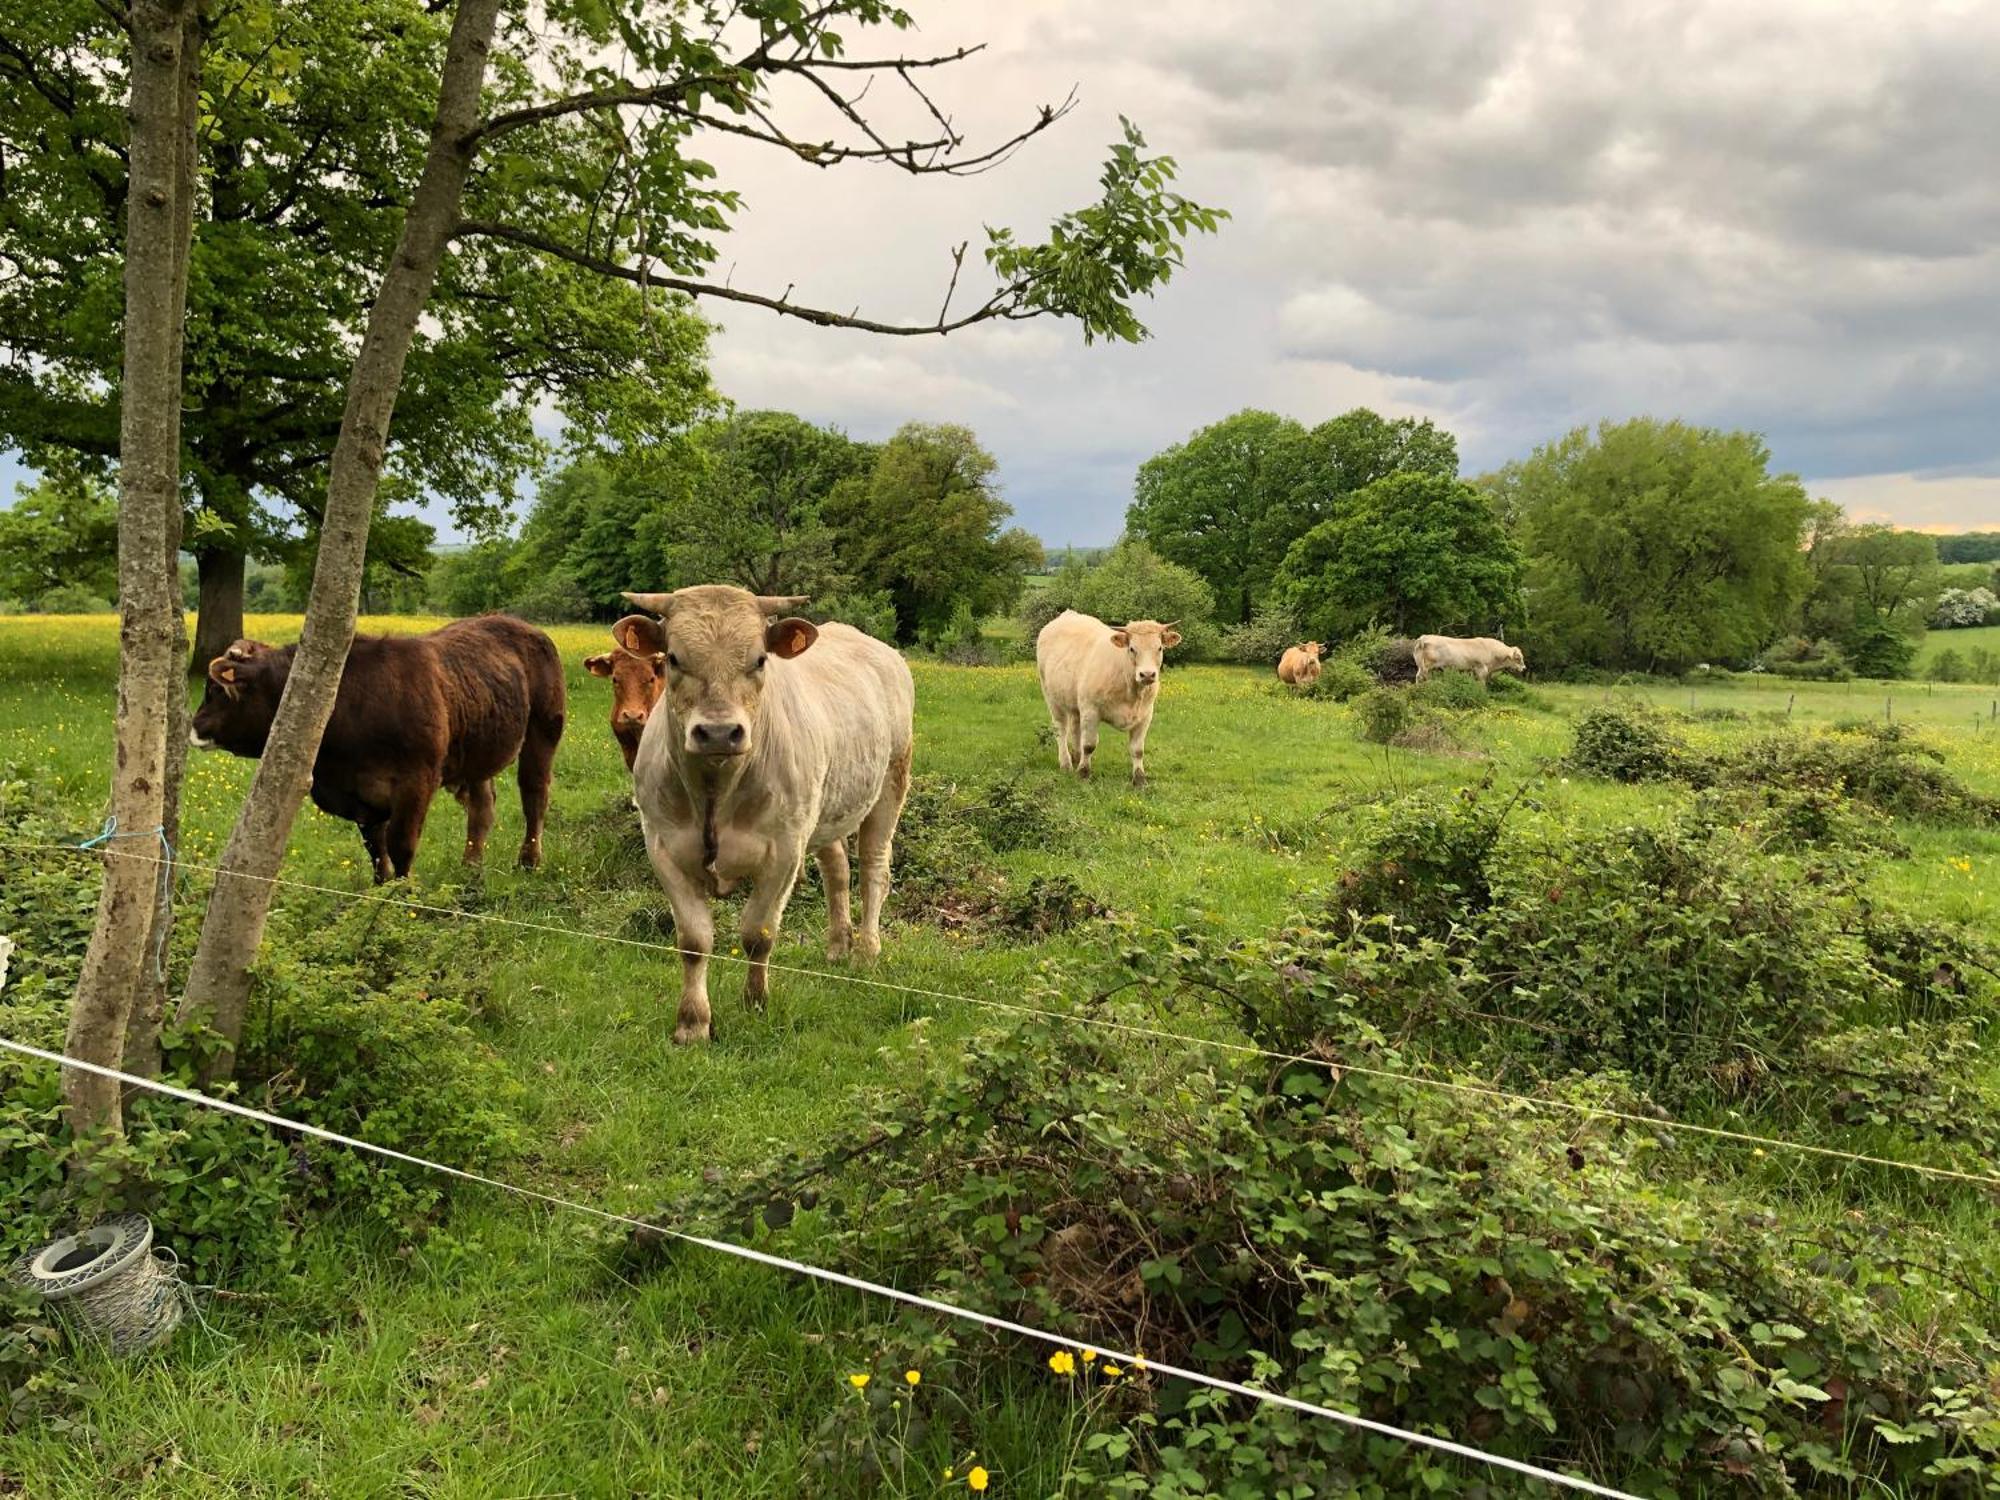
(717, 738)
(632, 717)
(1146, 677)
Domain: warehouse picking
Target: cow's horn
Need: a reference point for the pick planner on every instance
(659, 604)
(778, 604)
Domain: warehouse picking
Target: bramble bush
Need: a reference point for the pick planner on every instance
(1262, 639)
(1430, 1260)
(1878, 765)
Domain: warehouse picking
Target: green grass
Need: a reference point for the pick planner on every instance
(1964, 642)
(502, 1357)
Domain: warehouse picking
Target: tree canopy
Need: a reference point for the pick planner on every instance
(315, 117)
(1416, 552)
(1654, 545)
(1232, 499)
(59, 541)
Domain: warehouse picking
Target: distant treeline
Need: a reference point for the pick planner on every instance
(1639, 546)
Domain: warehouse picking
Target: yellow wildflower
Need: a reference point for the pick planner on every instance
(913, 1376)
(976, 1480)
(1112, 1372)
(1063, 1362)
(859, 1382)
(1089, 1356)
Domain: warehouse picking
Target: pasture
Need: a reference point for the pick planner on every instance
(504, 1353)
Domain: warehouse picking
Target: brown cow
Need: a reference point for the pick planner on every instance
(1300, 664)
(637, 673)
(450, 709)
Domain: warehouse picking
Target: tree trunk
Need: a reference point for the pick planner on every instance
(119, 959)
(218, 621)
(219, 984)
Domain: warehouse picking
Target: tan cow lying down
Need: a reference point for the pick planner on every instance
(1480, 655)
(1092, 673)
(1300, 664)
(770, 741)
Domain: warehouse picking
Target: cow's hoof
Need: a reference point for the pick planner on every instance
(838, 946)
(1138, 783)
(867, 948)
(687, 1034)
(531, 858)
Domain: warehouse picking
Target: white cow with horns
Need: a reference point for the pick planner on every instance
(773, 738)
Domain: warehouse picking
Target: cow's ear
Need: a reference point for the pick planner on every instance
(222, 672)
(790, 637)
(598, 666)
(1170, 637)
(642, 635)
(1120, 639)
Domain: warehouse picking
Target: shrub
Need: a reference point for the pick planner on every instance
(1879, 649)
(960, 640)
(1338, 680)
(1132, 582)
(553, 597)
(1435, 1260)
(71, 599)
(1947, 666)
(1832, 668)
(872, 614)
(1047, 905)
(1627, 744)
(1958, 608)
(1459, 692)
(1386, 658)
(1261, 640)
(1982, 664)
(1382, 714)
(1878, 766)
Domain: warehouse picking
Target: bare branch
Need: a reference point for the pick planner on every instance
(1005, 303)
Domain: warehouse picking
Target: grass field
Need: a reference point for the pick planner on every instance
(1964, 642)
(500, 1357)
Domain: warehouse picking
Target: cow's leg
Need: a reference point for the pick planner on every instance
(411, 806)
(1063, 725)
(1086, 739)
(535, 772)
(477, 800)
(763, 909)
(694, 935)
(1138, 738)
(839, 918)
(375, 839)
(877, 842)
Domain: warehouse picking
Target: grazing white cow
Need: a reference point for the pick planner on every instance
(1480, 655)
(1300, 664)
(1095, 673)
(771, 740)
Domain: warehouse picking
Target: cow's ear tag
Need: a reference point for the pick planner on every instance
(789, 638)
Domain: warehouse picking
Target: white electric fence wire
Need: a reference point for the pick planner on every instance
(838, 1278)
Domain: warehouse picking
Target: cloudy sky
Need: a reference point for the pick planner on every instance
(1513, 219)
(1774, 214)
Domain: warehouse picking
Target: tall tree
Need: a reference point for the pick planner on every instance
(925, 524)
(586, 165)
(164, 53)
(1232, 499)
(315, 122)
(1654, 545)
(1417, 552)
(60, 533)
(1207, 504)
(748, 505)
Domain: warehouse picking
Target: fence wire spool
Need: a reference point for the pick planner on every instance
(108, 1275)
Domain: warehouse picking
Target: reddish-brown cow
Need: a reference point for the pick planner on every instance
(450, 709)
(637, 672)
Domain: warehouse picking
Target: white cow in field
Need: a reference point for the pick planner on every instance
(1480, 655)
(1096, 673)
(771, 740)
